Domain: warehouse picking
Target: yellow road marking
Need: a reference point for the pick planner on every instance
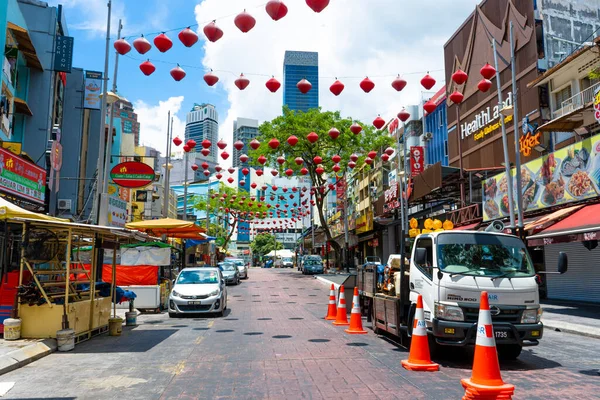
(199, 339)
(179, 368)
(211, 323)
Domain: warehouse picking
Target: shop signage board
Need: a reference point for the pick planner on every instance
(567, 175)
(141, 196)
(93, 89)
(117, 212)
(22, 178)
(597, 104)
(417, 164)
(63, 54)
(286, 237)
(132, 174)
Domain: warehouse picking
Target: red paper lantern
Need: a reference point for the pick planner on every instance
(218, 176)
(122, 46)
(484, 85)
(274, 143)
(178, 73)
(398, 83)
(221, 144)
(389, 151)
(244, 158)
(188, 37)
(276, 9)
(280, 160)
(224, 155)
(274, 188)
(304, 171)
(385, 157)
(292, 140)
(163, 43)
(289, 172)
(231, 170)
(429, 106)
(487, 71)
(262, 160)
(336, 158)
(191, 143)
(213, 32)
(242, 82)
(206, 173)
(274, 172)
(336, 88)
(245, 171)
(372, 154)
(353, 157)
(242, 183)
(304, 86)
(312, 137)
(273, 85)
(177, 141)
(147, 68)
(218, 168)
(142, 45)
(317, 5)
(186, 148)
(367, 85)
(195, 167)
(204, 165)
(244, 21)
(299, 160)
(317, 160)
(336, 168)
(205, 152)
(254, 144)
(459, 77)
(259, 172)
(456, 97)
(206, 144)
(355, 128)
(210, 78)
(368, 161)
(378, 122)
(427, 82)
(351, 164)
(403, 115)
(334, 133)
(239, 145)
(319, 170)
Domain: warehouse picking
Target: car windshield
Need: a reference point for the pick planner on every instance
(236, 262)
(287, 259)
(312, 261)
(197, 277)
(483, 255)
(227, 267)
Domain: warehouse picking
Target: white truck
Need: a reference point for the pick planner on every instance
(450, 269)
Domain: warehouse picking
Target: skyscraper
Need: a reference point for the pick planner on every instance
(202, 122)
(298, 65)
(129, 119)
(244, 129)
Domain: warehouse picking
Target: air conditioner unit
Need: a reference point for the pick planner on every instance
(65, 204)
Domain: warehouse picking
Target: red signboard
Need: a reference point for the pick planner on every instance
(132, 174)
(417, 160)
(22, 178)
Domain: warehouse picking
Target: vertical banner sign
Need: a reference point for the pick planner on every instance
(93, 88)
(22, 178)
(417, 164)
(63, 54)
(597, 104)
(340, 193)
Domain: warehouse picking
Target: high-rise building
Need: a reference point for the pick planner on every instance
(201, 123)
(129, 120)
(244, 130)
(298, 65)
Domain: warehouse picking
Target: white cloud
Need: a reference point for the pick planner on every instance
(354, 38)
(153, 122)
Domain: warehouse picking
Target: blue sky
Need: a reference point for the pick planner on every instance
(354, 38)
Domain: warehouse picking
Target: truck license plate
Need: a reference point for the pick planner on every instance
(501, 334)
(191, 303)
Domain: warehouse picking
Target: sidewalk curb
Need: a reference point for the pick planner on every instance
(327, 281)
(26, 355)
(575, 329)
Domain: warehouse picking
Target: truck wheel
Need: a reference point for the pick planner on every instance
(509, 351)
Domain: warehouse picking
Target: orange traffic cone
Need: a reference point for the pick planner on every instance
(331, 310)
(419, 358)
(341, 317)
(355, 317)
(485, 381)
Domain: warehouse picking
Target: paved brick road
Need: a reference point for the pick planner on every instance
(273, 344)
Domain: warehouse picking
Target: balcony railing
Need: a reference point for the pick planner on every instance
(576, 102)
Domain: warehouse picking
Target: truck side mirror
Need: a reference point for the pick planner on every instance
(420, 256)
(563, 262)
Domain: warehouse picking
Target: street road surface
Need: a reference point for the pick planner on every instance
(274, 344)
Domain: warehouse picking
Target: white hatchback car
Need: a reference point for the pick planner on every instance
(198, 290)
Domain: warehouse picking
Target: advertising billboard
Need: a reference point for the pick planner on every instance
(22, 178)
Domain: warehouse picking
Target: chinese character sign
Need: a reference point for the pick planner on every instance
(417, 161)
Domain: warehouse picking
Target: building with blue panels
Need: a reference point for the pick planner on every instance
(244, 130)
(196, 189)
(201, 123)
(298, 65)
(436, 131)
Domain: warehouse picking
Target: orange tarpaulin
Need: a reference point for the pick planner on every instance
(128, 275)
(174, 228)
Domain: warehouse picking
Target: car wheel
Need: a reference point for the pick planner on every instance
(509, 351)
(172, 315)
(221, 313)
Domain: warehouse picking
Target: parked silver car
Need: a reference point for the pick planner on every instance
(230, 272)
(198, 290)
(241, 266)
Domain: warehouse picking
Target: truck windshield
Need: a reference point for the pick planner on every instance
(480, 254)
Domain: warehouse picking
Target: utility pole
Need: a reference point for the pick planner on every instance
(102, 139)
(504, 140)
(515, 91)
(185, 183)
(166, 175)
(345, 215)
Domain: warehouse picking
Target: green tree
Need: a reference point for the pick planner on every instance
(229, 205)
(301, 124)
(264, 243)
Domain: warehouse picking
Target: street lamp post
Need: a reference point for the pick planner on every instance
(515, 90)
(167, 168)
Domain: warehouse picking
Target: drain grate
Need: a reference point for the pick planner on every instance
(291, 302)
(253, 333)
(231, 319)
(264, 319)
(225, 330)
(357, 344)
(295, 318)
(281, 337)
(319, 340)
(179, 326)
(200, 329)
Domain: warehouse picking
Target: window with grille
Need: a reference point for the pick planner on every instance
(562, 95)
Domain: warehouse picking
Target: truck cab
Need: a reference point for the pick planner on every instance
(450, 269)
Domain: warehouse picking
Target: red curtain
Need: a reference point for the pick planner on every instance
(129, 275)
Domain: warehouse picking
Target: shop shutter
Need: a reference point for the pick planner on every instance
(582, 280)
